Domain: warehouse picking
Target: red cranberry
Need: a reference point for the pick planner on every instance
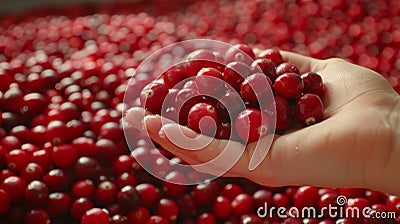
(185, 100)
(250, 219)
(265, 66)
(283, 113)
(125, 179)
(155, 219)
(174, 76)
(187, 205)
(306, 196)
(4, 174)
(119, 219)
(128, 197)
(240, 53)
(64, 156)
(56, 132)
(280, 200)
(209, 82)
(360, 204)
(37, 194)
(288, 85)
(96, 215)
(272, 54)
(21, 132)
(10, 142)
(138, 215)
(5, 202)
(86, 147)
(205, 193)
(231, 191)
(152, 97)
(111, 131)
(106, 192)
(206, 218)
(326, 200)
(256, 88)
(375, 197)
(86, 168)
(148, 193)
(168, 209)
(17, 160)
(83, 188)
(123, 164)
(251, 125)
(287, 67)
(313, 83)
(203, 118)
(57, 180)
(59, 204)
(42, 158)
(199, 59)
(222, 207)
(15, 187)
(108, 150)
(37, 216)
(352, 192)
(235, 73)
(34, 103)
(223, 131)
(80, 206)
(170, 186)
(13, 100)
(309, 109)
(392, 202)
(261, 197)
(229, 106)
(242, 204)
(32, 172)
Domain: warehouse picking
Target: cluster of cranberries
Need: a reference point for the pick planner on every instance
(244, 94)
(63, 156)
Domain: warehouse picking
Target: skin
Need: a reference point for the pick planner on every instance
(356, 145)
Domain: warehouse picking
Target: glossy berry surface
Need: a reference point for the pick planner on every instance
(235, 73)
(152, 96)
(288, 85)
(313, 83)
(309, 109)
(203, 118)
(96, 215)
(251, 125)
(256, 88)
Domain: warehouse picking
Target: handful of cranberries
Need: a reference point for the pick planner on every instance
(236, 94)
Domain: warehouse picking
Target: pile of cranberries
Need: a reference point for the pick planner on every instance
(245, 94)
(63, 155)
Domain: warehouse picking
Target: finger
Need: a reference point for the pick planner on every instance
(304, 63)
(135, 116)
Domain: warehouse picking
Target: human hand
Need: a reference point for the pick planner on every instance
(354, 146)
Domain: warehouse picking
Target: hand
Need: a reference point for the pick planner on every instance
(356, 145)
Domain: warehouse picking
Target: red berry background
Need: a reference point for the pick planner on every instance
(64, 73)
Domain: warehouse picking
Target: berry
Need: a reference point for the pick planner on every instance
(57, 180)
(288, 85)
(235, 73)
(174, 76)
(95, 216)
(261, 197)
(242, 204)
(231, 190)
(119, 219)
(272, 54)
(106, 192)
(251, 125)
(17, 160)
(148, 193)
(138, 215)
(256, 88)
(32, 172)
(250, 219)
(5, 202)
(83, 188)
(222, 207)
(15, 187)
(155, 219)
(206, 218)
(86, 167)
(37, 194)
(203, 118)
(59, 204)
(205, 193)
(37, 216)
(199, 59)
(309, 109)
(306, 196)
(152, 97)
(128, 197)
(313, 83)
(287, 67)
(64, 156)
(240, 53)
(168, 209)
(175, 183)
(283, 113)
(209, 82)
(80, 206)
(265, 66)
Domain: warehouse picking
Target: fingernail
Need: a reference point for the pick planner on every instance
(135, 117)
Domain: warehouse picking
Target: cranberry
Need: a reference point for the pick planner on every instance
(168, 209)
(17, 160)
(287, 67)
(199, 59)
(125, 179)
(128, 197)
(202, 118)
(108, 150)
(15, 187)
(5, 202)
(37, 216)
(265, 66)
(206, 218)
(306, 196)
(155, 219)
(83, 188)
(152, 97)
(57, 180)
(123, 164)
(229, 106)
(187, 205)
(309, 109)
(241, 53)
(235, 73)
(86, 167)
(392, 202)
(13, 100)
(250, 219)
(174, 183)
(115, 209)
(185, 100)
(37, 193)
(223, 131)
(280, 200)
(96, 215)
(205, 193)
(80, 206)
(283, 113)
(272, 54)
(111, 131)
(21, 132)
(32, 172)
(59, 204)
(174, 76)
(86, 147)
(106, 192)
(138, 215)
(251, 125)
(231, 191)
(375, 197)
(10, 142)
(288, 85)
(209, 82)
(242, 204)
(262, 197)
(56, 132)
(222, 207)
(4, 174)
(34, 103)
(256, 88)
(313, 83)
(360, 204)
(119, 219)
(326, 200)
(64, 156)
